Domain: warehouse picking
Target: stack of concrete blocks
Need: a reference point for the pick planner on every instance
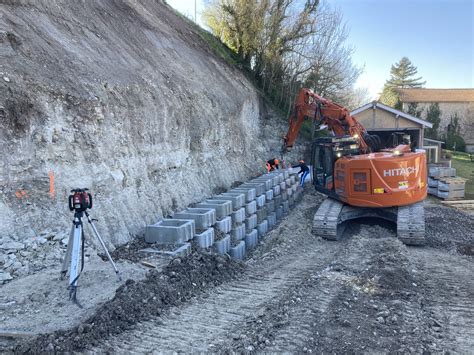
(223, 222)
(204, 219)
(443, 183)
(255, 219)
(238, 200)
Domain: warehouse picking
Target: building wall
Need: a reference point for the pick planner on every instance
(383, 120)
(465, 112)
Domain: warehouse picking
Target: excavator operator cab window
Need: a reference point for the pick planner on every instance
(323, 158)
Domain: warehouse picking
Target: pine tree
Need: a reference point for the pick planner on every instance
(402, 75)
(433, 115)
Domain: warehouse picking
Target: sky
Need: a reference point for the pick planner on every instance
(436, 35)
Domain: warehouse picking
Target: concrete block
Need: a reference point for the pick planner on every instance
(284, 196)
(279, 212)
(261, 200)
(276, 180)
(276, 190)
(270, 206)
(291, 200)
(223, 246)
(278, 200)
(238, 252)
(238, 232)
(286, 206)
(269, 195)
(288, 182)
(261, 215)
(206, 238)
(170, 231)
(293, 179)
(295, 187)
(262, 228)
(258, 186)
(281, 177)
(251, 239)
(250, 192)
(238, 216)
(182, 250)
(271, 219)
(251, 222)
(237, 199)
(289, 191)
(203, 217)
(224, 225)
(267, 181)
(223, 208)
(250, 208)
(282, 186)
(286, 174)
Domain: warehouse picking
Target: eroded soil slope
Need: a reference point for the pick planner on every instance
(126, 98)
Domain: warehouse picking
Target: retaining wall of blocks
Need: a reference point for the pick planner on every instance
(243, 214)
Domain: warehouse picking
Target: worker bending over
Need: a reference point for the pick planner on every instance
(273, 164)
(303, 169)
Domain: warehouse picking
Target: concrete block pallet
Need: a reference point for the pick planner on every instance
(443, 183)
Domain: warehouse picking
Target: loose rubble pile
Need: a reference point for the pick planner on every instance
(24, 258)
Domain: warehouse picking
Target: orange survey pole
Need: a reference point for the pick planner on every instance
(52, 192)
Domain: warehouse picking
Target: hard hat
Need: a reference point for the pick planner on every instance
(277, 161)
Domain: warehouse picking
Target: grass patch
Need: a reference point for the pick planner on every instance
(464, 168)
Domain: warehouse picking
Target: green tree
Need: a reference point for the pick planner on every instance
(413, 109)
(454, 141)
(402, 75)
(433, 115)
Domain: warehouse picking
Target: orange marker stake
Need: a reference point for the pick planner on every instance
(51, 185)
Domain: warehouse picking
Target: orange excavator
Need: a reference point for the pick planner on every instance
(361, 177)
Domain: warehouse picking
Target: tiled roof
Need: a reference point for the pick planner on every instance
(436, 95)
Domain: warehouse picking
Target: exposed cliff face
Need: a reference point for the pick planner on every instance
(123, 97)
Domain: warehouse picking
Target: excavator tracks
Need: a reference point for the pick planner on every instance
(411, 224)
(326, 222)
(329, 220)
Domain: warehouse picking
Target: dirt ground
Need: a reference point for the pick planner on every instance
(298, 293)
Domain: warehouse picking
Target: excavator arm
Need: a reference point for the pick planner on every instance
(337, 118)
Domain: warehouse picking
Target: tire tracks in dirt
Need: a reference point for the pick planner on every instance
(449, 292)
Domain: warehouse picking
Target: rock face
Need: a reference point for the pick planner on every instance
(125, 98)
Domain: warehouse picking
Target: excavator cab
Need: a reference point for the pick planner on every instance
(325, 152)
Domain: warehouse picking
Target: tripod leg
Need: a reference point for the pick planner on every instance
(75, 260)
(67, 257)
(119, 278)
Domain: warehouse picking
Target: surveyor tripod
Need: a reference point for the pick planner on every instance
(79, 202)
